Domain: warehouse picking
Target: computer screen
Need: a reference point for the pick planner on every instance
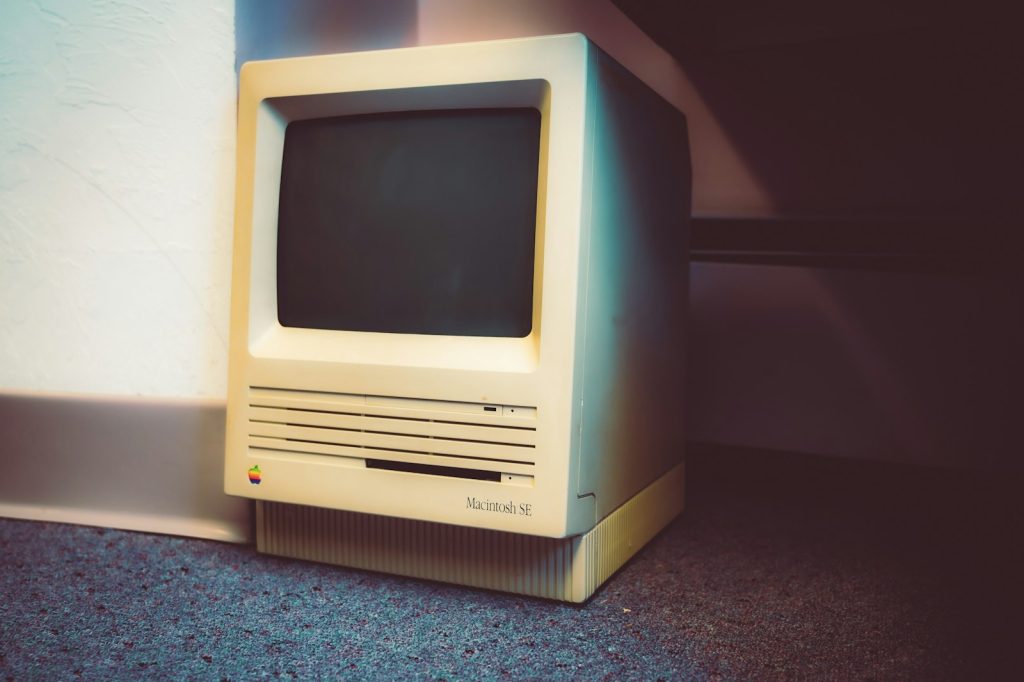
(418, 222)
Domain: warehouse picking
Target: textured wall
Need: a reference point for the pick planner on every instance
(116, 176)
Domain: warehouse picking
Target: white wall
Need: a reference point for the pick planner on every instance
(116, 181)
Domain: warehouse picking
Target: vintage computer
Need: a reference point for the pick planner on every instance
(458, 312)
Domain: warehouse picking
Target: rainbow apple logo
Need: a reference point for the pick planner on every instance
(254, 475)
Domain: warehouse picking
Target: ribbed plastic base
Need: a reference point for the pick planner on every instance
(568, 569)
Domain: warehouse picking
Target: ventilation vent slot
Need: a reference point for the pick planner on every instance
(405, 434)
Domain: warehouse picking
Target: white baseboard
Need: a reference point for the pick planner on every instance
(145, 464)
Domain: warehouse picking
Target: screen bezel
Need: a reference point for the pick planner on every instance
(269, 339)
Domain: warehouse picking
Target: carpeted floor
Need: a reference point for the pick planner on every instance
(782, 567)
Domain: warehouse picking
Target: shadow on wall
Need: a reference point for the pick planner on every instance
(860, 111)
(273, 29)
(913, 367)
(894, 107)
(894, 124)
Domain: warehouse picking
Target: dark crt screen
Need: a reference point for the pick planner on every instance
(420, 222)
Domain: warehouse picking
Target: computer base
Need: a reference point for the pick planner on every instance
(568, 569)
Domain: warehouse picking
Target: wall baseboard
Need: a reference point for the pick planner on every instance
(143, 464)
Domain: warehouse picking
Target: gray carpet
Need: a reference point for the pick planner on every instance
(782, 567)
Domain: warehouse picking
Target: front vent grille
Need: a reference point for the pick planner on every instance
(405, 434)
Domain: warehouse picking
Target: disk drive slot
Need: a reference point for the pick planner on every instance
(434, 470)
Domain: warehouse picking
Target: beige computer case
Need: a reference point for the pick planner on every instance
(582, 419)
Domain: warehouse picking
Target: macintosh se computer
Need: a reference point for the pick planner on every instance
(458, 312)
